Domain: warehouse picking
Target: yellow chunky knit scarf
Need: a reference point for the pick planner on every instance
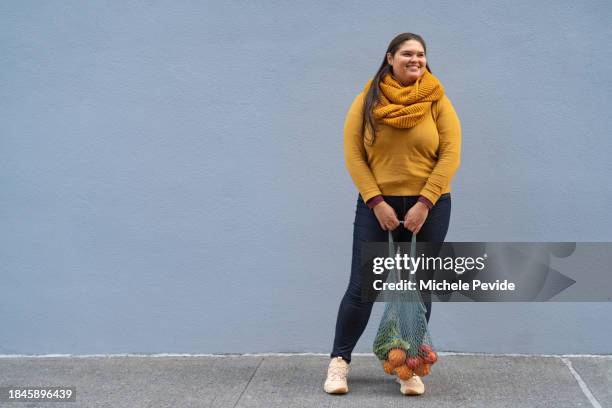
(405, 106)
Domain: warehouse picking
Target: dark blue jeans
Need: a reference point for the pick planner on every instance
(354, 314)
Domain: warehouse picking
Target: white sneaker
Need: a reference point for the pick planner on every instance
(413, 386)
(336, 376)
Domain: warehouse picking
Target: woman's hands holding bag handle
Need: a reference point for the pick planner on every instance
(413, 221)
(415, 217)
(386, 216)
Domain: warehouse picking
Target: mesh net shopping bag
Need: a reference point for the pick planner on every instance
(403, 343)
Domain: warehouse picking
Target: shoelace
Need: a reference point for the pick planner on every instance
(338, 372)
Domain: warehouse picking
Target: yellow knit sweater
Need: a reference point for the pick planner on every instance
(420, 160)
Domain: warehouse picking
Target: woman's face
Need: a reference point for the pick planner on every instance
(408, 62)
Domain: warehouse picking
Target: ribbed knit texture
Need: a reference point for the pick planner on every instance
(405, 106)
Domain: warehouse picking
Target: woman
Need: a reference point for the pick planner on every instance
(402, 142)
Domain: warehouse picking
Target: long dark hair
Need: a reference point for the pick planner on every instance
(372, 96)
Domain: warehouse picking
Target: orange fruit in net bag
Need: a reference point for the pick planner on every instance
(430, 358)
(388, 367)
(403, 372)
(423, 370)
(397, 357)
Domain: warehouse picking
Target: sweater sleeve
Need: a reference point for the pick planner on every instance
(355, 154)
(449, 150)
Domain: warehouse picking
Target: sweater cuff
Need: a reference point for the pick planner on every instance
(425, 201)
(373, 202)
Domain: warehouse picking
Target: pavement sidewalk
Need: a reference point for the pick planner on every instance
(266, 381)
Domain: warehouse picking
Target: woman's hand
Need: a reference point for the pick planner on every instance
(415, 217)
(386, 216)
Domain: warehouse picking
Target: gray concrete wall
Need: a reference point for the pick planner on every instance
(173, 180)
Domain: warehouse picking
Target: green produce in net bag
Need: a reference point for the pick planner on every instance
(403, 343)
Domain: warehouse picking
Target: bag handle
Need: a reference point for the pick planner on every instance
(413, 242)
